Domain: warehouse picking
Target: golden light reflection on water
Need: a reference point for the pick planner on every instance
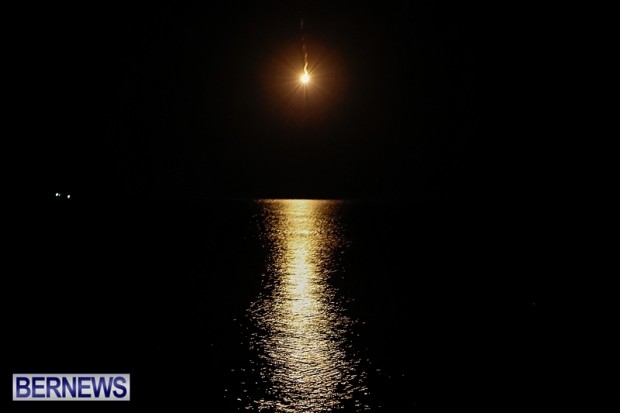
(305, 355)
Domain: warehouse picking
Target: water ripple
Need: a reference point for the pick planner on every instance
(301, 338)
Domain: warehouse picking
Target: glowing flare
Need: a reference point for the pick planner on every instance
(305, 78)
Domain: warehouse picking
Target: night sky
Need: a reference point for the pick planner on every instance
(417, 100)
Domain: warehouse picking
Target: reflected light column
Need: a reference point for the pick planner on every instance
(302, 325)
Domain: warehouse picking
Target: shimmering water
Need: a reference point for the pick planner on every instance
(304, 354)
(284, 305)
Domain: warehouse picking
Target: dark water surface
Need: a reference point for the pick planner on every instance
(282, 305)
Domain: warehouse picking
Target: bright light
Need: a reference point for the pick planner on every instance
(305, 78)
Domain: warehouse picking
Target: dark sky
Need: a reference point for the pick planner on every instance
(165, 101)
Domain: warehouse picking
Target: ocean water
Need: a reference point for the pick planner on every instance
(282, 305)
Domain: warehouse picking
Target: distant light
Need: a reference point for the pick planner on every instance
(305, 78)
(68, 196)
(57, 194)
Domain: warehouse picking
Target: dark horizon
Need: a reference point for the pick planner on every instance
(186, 102)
